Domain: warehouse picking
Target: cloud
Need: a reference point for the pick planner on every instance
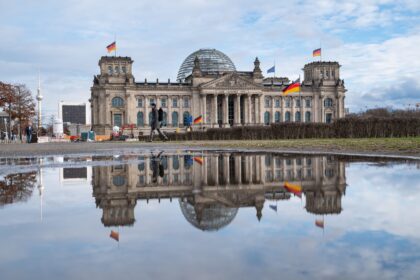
(65, 39)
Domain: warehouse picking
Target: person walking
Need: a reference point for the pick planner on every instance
(28, 132)
(155, 124)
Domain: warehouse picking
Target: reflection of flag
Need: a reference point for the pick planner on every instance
(112, 47)
(198, 120)
(316, 52)
(319, 223)
(274, 207)
(295, 189)
(115, 235)
(293, 87)
(199, 160)
(272, 69)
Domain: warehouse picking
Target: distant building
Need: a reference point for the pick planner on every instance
(74, 112)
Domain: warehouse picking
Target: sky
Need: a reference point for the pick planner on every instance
(375, 41)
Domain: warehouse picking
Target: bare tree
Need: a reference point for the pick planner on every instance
(7, 98)
(23, 107)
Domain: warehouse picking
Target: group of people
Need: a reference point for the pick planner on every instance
(156, 123)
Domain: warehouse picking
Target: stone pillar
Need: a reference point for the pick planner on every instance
(282, 114)
(169, 111)
(226, 111)
(214, 111)
(146, 111)
(237, 109)
(261, 108)
(226, 168)
(204, 107)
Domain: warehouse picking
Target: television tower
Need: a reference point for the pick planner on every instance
(39, 98)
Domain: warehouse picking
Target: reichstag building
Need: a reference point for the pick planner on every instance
(209, 85)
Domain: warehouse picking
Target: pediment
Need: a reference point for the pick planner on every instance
(231, 81)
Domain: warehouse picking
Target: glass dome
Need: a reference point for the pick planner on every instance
(213, 218)
(212, 61)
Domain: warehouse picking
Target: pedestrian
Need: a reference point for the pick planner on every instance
(28, 132)
(155, 124)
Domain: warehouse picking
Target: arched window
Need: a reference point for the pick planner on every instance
(267, 118)
(124, 69)
(140, 166)
(277, 117)
(110, 70)
(308, 117)
(288, 102)
(117, 69)
(297, 117)
(287, 117)
(165, 119)
(117, 102)
(140, 119)
(118, 181)
(174, 119)
(328, 102)
(186, 118)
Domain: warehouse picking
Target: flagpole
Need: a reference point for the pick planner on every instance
(320, 48)
(115, 41)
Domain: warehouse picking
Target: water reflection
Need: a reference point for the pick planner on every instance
(211, 188)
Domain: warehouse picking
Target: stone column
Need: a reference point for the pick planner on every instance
(169, 111)
(214, 111)
(226, 111)
(272, 109)
(261, 108)
(146, 111)
(282, 114)
(237, 109)
(204, 107)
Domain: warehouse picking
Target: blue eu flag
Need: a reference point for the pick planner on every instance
(272, 69)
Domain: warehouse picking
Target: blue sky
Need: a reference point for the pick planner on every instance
(375, 41)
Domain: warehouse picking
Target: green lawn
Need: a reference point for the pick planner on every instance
(399, 145)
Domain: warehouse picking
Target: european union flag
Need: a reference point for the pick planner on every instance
(272, 69)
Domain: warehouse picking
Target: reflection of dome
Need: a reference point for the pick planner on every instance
(213, 217)
(212, 61)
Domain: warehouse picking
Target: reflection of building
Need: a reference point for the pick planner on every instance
(209, 85)
(212, 188)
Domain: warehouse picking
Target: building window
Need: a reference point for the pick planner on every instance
(277, 104)
(152, 101)
(287, 117)
(117, 102)
(118, 181)
(277, 117)
(163, 102)
(110, 70)
(267, 118)
(175, 162)
(328, 118)
(328, 102)
(175, 119)
(308, 103)
(140, 119)
(175, 102)
(124, 69)
(308, 117)
(140, 102)
(186, 118)
(165, 119)
(117, 69)
(297, 117)
(333, 73)
(288, 102)
(297, 103)
(140, 166)
(186, 102)
(267, 102)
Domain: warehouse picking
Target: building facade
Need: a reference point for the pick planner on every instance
(211, 190)
(208, 85)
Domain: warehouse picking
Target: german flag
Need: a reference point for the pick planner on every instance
(295, 189)
(316, 52)
(115, 235)
(112, 47)
(199, 160)
(198, 120)
(319, 223)
(293, 87)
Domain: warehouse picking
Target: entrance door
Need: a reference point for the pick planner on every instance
(328, 118)
(231, 110)
(118, 120)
